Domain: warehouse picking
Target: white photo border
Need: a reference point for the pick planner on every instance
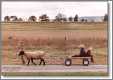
(109, 45)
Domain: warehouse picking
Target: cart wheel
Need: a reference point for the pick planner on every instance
(85, 62)
(68, 62)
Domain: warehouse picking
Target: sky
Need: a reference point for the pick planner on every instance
(26, 9)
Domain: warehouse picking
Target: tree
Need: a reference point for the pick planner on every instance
(76, 18)
(60, 17)
(32, 18)
(13, 18)
(64, 19)
(44, 17)
(70, 19)
(82, 20)
(6, 18)
(106, 17)
(85, 20)
(20, 19)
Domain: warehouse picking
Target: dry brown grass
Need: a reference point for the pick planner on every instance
(52, 40)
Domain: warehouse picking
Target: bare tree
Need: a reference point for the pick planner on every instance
(85, 20)
(60, 17)
(64, 19)
(106, 17)
(82, 20)
(70, 19)
(76, 18)
(13, 18)
(20, 19)
(44, 18)
(6, 18)
(32, 18)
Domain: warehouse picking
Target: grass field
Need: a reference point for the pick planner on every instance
(50, 37)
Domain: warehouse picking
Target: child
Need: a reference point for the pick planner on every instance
(88, 53)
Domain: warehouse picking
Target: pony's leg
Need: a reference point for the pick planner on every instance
(32, 61)
(28, 61)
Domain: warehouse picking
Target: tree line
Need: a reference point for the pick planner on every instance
(45, 18)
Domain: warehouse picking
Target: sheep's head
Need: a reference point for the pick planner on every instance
(20, 53)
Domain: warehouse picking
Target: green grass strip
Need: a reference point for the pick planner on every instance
(54, 73)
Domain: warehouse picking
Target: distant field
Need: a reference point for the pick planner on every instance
(50, 37)
(23, 26)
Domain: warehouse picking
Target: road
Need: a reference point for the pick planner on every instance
(54, 68)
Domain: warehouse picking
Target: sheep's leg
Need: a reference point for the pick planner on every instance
(22, 60)
(32, 61)
(28, 61)
(42, 60)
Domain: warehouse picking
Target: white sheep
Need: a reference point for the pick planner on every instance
(32, 55)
